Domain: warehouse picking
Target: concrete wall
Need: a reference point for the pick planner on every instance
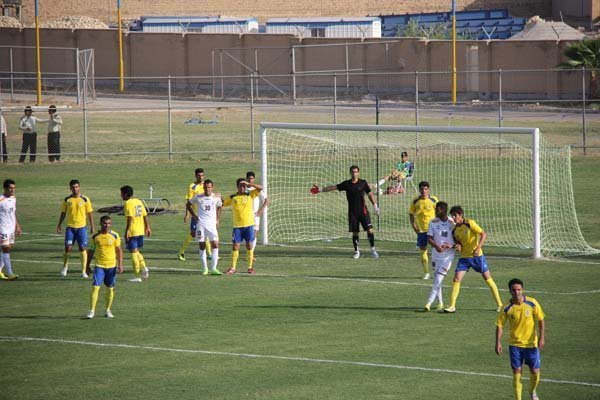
(163, 54)
(105, 10)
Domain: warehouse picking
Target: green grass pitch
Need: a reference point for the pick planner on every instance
(312, 324)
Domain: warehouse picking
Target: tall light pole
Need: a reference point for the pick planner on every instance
(453, 51)
(37, 55)
(121, 80)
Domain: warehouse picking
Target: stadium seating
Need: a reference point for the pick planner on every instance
(477, 24)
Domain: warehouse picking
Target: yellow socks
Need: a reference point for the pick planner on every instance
(534, 381)
(235, 254)
(250, 258)
(141, 260)
(94, 297)
(186, 243)
(83, 259)
(135, 262)
(66, 259)
(455, 292)
(490, 282)
(424, 260)
(110, 296)
(517, 385)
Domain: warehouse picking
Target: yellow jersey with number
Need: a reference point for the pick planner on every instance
(135, 209)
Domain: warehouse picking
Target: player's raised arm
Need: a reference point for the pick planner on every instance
(316, 189)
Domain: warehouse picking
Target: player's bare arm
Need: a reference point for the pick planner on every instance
(60, 221)
(147, 229)
(411, 217)
(482, 238)
(189, 211)
(499, 332)
(91, 220)
(542, 329)
(119, 252)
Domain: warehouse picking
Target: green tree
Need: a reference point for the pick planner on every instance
(585, 54)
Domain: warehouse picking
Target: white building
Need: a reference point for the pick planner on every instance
(199, 24)
(359, 27)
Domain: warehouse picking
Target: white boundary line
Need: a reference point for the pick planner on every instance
(285, 358)
(329, 278)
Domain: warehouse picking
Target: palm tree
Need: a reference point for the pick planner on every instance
(585, 54)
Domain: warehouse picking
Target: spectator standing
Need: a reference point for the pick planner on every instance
(54, 127)
(27, 124)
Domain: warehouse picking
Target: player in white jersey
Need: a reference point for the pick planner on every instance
(205, 208)
(9, 227)
(439, 236)
(260, 203)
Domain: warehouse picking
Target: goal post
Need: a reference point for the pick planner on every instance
(508, 179)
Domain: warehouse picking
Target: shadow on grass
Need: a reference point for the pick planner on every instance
(41, 317)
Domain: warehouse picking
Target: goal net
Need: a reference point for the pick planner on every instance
(517, 186)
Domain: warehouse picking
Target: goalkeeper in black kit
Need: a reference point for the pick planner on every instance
(358, 215)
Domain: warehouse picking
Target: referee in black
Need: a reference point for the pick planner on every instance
(358, 215)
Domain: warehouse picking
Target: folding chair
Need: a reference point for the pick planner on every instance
(409, 178)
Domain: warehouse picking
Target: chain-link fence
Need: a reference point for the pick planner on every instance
(212, 116)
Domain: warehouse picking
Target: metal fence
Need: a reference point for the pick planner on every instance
(200, 116)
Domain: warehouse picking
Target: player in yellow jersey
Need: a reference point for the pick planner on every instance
(106, 246)
(522, 313)
(77, 209)
(469, 238)
(196, 187)
(242, 204)
(136, 226)
(420, 213)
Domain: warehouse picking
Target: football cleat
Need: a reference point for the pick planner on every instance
(374, 253)
(440, 306)
(204, 271)
(137, 280)
(499, 308)
(251, 271)
(109, 314)
(90, 314)
(426, 276)
(11, 277)
(230, 271)
(450, 310)
(427, 307)
(216, 272)
(145, 273)
(356, 255)
(63, 271)
(181, 256)
(2, 276)
(84, 275)
(534, 396)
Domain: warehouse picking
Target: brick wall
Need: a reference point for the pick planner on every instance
(105, 10)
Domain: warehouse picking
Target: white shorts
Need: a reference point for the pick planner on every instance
(7, 238)
(207, 232)
(442, 265)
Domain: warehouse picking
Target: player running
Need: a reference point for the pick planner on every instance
(205, 209)
(78, 209)
(358, 215)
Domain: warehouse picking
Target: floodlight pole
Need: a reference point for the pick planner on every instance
(453, 51)
(37, 55)
(121, 73)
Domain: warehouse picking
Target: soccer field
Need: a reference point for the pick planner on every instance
(312, 323)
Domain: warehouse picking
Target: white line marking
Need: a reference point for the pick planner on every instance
(329, 278)
(286, 358)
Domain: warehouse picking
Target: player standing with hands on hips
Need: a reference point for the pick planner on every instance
(358, 215)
